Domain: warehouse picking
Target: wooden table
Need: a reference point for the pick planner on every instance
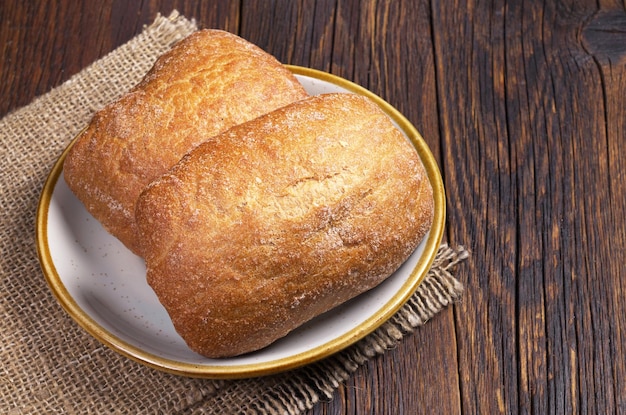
(524, 105)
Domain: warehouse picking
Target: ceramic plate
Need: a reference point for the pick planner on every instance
(102, 285)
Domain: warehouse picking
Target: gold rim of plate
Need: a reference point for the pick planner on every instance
(279, 365)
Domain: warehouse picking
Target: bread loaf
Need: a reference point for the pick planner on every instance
(280, 219)
(205, 84)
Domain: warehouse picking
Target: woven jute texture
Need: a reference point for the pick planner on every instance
(49, 365)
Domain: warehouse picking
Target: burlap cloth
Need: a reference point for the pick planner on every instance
(48, 364)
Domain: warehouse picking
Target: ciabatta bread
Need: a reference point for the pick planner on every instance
(280, 219)
(205, 84)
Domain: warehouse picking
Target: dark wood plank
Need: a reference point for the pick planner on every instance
(529, 121)
(43, 45)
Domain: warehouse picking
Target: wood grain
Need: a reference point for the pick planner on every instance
(532, 108)
(524, 106)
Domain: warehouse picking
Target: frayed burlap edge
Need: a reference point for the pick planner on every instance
(49, 365)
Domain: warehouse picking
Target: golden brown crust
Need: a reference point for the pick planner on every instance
(275, 221)
(205, 84)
